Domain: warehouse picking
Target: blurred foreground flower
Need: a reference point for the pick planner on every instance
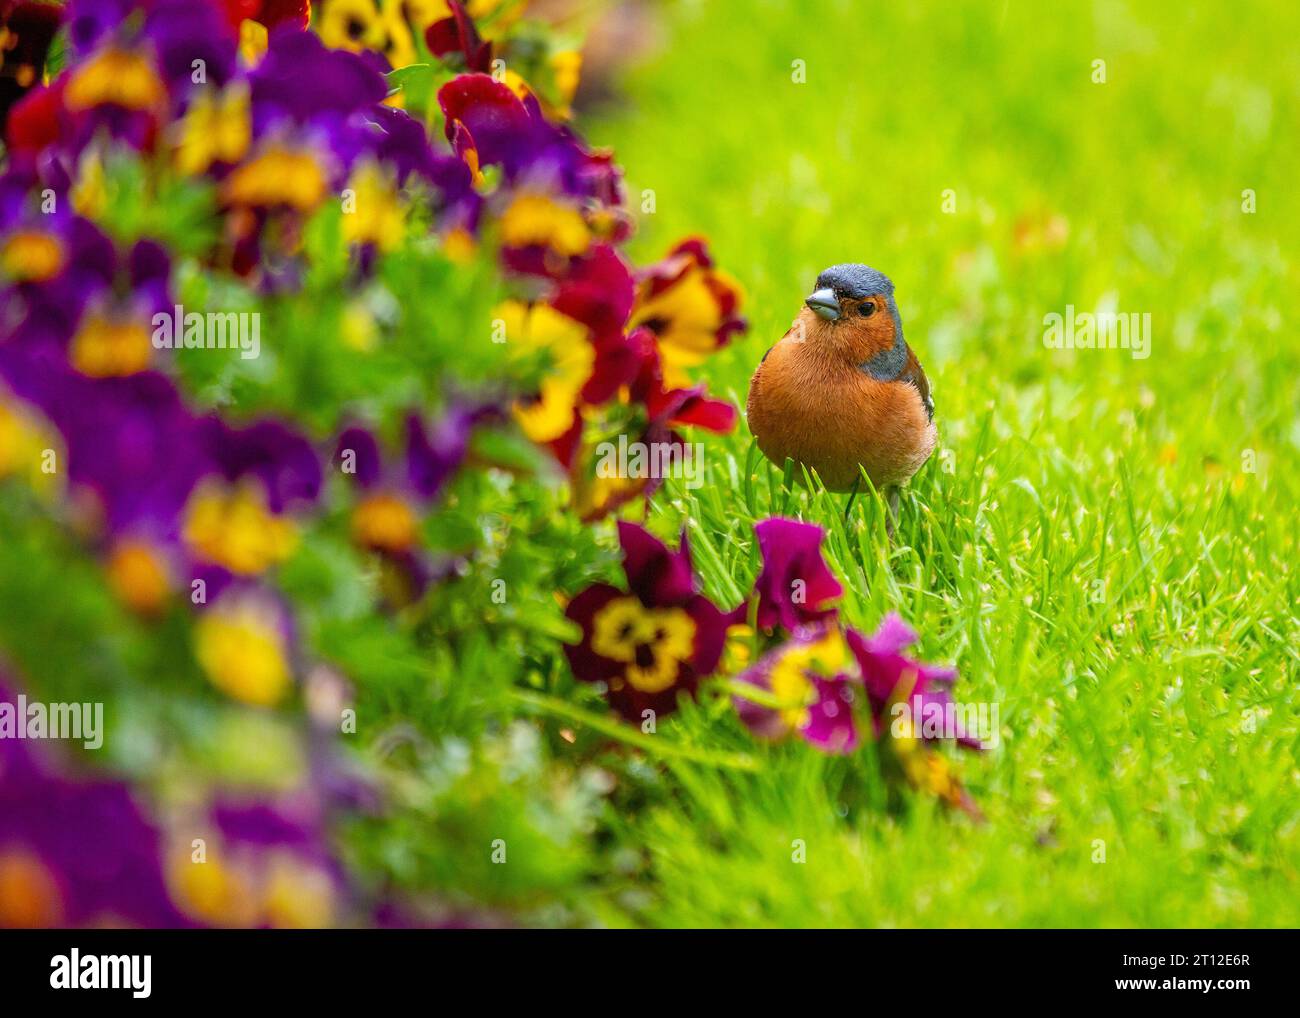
(74, 852)
(394, 496)
(251, 863)
(245, 644)
(691, 306)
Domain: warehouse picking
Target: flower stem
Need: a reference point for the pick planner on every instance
(655, 745)
(755, 694)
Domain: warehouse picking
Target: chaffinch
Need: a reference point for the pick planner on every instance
(842, 391)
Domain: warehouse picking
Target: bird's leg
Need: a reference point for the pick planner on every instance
(891, 520)
(853, 493)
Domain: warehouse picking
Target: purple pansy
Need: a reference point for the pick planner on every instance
(890, 676)
(341, 83)
(74, 852)
(489, 125)
(814, 682)
(795, 584)
(394, 493)
(268, 863)
(282, 460)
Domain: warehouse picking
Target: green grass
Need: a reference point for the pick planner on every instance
(1088, 547)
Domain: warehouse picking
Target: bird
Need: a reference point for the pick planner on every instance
(842, 393)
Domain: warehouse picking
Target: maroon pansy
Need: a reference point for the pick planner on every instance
(653, 642)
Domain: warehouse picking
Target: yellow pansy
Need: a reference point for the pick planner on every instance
(539, 327)
(217, 128)
(399, 46)
(533, 218)
(356, 25)
(110, 347)
(351, 25)
(233, 527)
(241, 647)
(686, 319)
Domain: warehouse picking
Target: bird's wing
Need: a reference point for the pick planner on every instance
(914, 374)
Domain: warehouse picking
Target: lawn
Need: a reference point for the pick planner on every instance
(1104, 544)
(325, 595)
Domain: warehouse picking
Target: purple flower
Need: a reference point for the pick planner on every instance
(182, 32)
(74, 852)
(90, 21)
(94, 311)
(795, 583)
(811, 686)
(395, 493)
(293, 823)
(489, 125)
(814, 682)
(301, 78)
(282, 460)
(132, 443)
(891, 677)
(267, 863)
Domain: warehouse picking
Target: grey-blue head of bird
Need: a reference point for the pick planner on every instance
(843, 290)
(856, 303)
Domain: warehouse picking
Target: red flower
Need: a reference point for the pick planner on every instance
(272, 13)
(457, 34)
(34, 121)
(26, 31)
(489, 118)
(674, 406)
(690, 306)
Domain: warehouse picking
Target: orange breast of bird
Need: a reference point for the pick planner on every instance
(807, 404)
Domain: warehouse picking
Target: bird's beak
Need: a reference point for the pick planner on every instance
(823, 302)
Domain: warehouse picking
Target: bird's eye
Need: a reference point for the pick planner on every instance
(867, 309)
